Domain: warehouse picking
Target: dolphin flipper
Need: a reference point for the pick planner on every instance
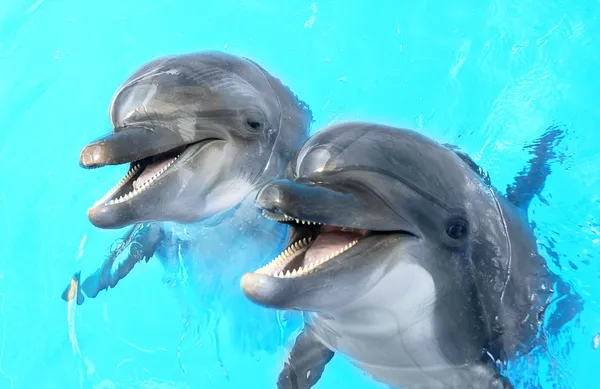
(531, 180)
(143, 240)
(73, 290)
(306, 362)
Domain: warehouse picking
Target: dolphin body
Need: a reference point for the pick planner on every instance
(201, 133)
(404, 259)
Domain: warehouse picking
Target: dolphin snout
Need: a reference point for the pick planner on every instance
(308, 201)
(284, 196)
(275, 197)
(130, 144)
(266, 290)
(92, 156)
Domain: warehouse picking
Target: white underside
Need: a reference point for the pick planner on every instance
(226, 195)
(389, 332)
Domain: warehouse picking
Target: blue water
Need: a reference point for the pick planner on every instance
(489, 76)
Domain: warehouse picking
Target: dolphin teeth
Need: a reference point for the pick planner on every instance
(119, 184)
(282, 258)
(274, 216)
(285, 218)
(134, 192)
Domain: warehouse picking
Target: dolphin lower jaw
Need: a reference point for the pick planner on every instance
(127, 188)
(311, 247)
(316, 253)
(145, 174)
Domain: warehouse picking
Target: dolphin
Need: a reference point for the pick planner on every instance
(404, 259)
(198, 131)
(201, 132)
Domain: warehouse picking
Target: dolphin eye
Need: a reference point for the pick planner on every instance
(254, 120)
(457, 229)
(253, 124)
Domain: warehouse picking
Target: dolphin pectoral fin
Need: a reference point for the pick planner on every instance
(531, 180)
(73, 290)
(306, 363)
(143, 240)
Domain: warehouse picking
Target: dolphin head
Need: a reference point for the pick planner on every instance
(367, 201)
(199, 132)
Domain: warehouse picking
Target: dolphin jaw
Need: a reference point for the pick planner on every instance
(285, 218)
(134, 173)
(145, 173)
(295, 261)
(277, 267)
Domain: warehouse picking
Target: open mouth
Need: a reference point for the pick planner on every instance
(141, 176)
(319, 244)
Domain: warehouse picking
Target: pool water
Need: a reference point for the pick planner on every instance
(490, 76)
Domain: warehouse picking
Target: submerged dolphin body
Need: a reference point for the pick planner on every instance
(201, 133)
(404, 259)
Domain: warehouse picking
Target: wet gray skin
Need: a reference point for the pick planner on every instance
(417, 269)
(200, 132)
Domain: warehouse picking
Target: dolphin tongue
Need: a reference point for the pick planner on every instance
(149, 171)
(329, 242)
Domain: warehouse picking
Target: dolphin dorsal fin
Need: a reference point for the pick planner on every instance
(470, 163)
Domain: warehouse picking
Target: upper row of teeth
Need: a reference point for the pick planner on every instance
(133, 192)
(286, 218)
(301, 271)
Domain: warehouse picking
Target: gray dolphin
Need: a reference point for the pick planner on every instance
(404, 259)
(201, 132)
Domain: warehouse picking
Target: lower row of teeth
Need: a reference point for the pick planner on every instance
(134, 192)
(286, 218)
(301, 271)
